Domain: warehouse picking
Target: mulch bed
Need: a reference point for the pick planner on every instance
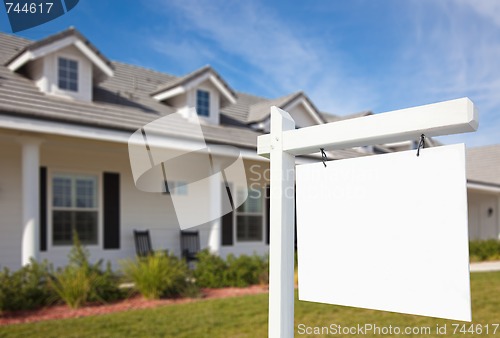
(138, 302)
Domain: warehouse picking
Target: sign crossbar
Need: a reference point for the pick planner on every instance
(443, 118)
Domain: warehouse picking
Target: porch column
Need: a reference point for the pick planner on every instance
(30, 199)
(214, 235)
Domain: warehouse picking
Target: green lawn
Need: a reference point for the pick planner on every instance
(247, 317)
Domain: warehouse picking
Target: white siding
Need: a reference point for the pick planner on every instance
(483, 215)
(10, 205)
(45, 74)
(300, 114)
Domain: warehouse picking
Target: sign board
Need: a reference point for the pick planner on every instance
(386, 232)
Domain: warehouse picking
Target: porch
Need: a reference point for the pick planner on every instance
(50, 183)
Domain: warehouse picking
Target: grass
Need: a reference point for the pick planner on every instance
(247, 317)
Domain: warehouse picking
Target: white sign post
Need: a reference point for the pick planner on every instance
(285, 142)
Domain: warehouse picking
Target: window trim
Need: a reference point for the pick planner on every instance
(78, 73)
(262, 214)
(209, 102)
(51, 173)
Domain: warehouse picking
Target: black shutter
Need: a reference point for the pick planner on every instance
(43, 209)
(227, 222)
(268, 209)
(227, 229)
(111, 204)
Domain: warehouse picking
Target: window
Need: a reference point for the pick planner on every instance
(202, 103)
(74, 208)
(68, 74)
(249, 217)
(178, 188)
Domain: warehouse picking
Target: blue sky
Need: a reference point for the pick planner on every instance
(348, 56)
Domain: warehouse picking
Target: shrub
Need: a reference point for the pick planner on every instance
(210, 271)
(245, 270)
(73, 285)
(26, 288)
(214, 272)
(156, 276)
(36, 284)
(481, 250)
(191, 289)
(81, 282)
(106, 283)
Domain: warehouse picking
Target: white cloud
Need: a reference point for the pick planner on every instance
(488, 9)
(455, 53)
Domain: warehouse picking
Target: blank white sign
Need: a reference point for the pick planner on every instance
(386, 232)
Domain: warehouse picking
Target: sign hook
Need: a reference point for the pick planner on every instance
(323, 156)
(421, 144)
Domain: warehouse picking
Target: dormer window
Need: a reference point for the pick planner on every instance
(67, 74)
(203, 103)
(203, 90)
(65, 65)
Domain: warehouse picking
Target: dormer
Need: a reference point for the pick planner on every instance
(298, 105)
(203, 89)
(64, 65)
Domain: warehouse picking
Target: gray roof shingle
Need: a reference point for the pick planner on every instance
(483, 164)
(260, 110)
(187, 78)
(58, 36)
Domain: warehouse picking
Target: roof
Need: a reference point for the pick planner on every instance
(260, 110)
(31, 46)
(483, 164)
(121, 102)
(240, 110)
(190, 77)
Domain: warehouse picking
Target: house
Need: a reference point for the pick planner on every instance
(66, 115)
(483, 192)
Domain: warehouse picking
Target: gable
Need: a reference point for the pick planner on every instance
(302, 113)
(44, 72)
(297, 105)
(69, 38)
(206, 76)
